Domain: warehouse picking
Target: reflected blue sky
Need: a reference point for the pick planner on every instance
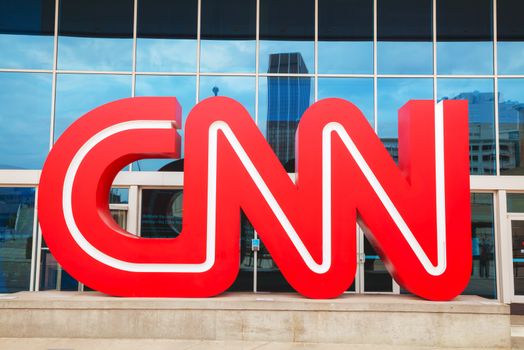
(166, 55)
(226, 56)
(393, 93)
(510, 57)
(305, 48)
(25, 118)
(359, 91)
(26, 51)
(395, 57)
(474, 57)
(241, 89)
(77, 94)
(105, 54)
(345, 57)
(183, 88)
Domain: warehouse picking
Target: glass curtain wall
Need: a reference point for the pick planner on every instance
(276, 56)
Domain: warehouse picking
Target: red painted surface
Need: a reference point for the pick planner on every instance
(410, 186)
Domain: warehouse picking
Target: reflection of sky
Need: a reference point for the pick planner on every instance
(263, 103)
(241, 89)
(82, 53)
(227, 56)
(77, 94)
(475, 57)
(119, 195)
(510, 57)
(345, 57)
(511, 92)
(395, 57)
(25, 100)
(183, 88)
(393, 93)
(166, 55)
(451, 88)
(359, 91)
(26, 51)
(305, 48)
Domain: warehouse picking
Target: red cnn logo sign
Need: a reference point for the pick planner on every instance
(416, 214)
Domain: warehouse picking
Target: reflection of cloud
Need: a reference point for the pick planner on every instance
(26, 51)
(396, 57)
(227, 56)
(166, 55)
(95, 53)
(475, 57)
(345, 57)
(25, 119)
(358, 91)
(241, 89)
(510, 57)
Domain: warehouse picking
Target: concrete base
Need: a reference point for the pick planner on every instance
(394, 320)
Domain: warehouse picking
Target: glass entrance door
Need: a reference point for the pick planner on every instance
(517, 239)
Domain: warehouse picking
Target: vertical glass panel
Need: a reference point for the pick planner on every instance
(244, 281)
(26, 34)
(25, 118)
(517, 236)
(95, 35)
(359, 91)
(184, 89)
(404, 34)
(228, 36)
(465, 37)
(77, 94)
(119, 195)
(17, 206)
(483, 279)
(241, 89)
(481, 110)
(161, 215)
(376, 276)
(287, 31)
(511, 126)
(510, 32)
(269, 277)
(345, 34)
(166, 36)
(281, 103)
(392, 94)
(52, 275)
(515, 202)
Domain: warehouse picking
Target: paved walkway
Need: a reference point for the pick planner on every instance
(162, 344)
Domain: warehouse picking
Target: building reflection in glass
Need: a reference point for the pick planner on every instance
(511, 126)
(288, 99)
(17, 207)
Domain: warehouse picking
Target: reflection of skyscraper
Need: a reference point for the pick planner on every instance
(288, 98)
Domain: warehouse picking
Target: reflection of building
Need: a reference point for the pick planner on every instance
(288, 98)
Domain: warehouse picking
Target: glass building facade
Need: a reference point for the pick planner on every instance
(61, 58)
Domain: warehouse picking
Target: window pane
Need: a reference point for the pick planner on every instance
(392, 94)
(281, 103)
(515, 202)
(287, 27)
(52, 276)
(25, 126)
(481, 110)
(241, 89)
(345, 34)
(95, 35)
(161, 215)
(167, 32)
(17, 206)
(26, 34)
(465, 35)
(228, 36)
(483, 279)
(404, 37)
(510, 46)
(359, 91)
(119, 195)
(77, 94)
(184, 89)
(511, 126)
